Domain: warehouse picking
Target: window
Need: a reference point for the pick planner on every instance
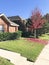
(1, 28)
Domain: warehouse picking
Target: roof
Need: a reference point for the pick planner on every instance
(13, 18)
(17, 19)
(10, 22)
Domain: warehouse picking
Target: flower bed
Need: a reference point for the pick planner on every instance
(38, 40)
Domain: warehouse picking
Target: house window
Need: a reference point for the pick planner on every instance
(1, 28)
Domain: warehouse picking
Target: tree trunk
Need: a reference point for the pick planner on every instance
(35, 33)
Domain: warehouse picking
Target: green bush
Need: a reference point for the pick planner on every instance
(19, 34)
(10, 36)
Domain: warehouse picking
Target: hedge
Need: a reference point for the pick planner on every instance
(10, 36)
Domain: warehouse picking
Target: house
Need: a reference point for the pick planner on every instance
(18, 20)
(6, 25)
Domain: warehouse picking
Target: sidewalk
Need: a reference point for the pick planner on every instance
(43, 58)
(15, 58)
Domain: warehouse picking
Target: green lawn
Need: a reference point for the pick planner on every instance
(44, 36)
(4, 61)
(26, 48)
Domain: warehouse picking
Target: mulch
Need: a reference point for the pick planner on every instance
(37, 40)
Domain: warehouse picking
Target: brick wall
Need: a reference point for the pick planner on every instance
(7, 28)
(3, 24)
(13, 29)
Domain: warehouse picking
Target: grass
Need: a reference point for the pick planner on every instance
(4, 61)
(44, 36)
(28, 49)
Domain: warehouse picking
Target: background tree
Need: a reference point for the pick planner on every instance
(46, 17)
(37, 21)
(46, 24)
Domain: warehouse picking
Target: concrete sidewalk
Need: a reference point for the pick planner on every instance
(43, 58)
(15, 58)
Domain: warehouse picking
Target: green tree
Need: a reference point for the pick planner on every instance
(46, 24)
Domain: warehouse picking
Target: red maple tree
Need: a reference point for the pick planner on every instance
(37, 20)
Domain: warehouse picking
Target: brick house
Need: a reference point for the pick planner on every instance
(20, 21)
(6, 25)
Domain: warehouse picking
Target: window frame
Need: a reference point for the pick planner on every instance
(2, 28)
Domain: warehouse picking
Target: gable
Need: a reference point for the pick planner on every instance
(2, 22)
(7, 20)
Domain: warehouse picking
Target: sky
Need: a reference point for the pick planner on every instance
(23, 8)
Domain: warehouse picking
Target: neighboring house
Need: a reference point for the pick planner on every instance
(18, 20)
(6, 25)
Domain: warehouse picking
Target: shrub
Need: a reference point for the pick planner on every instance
(10, 36)
(18, 34)
(4, 36)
